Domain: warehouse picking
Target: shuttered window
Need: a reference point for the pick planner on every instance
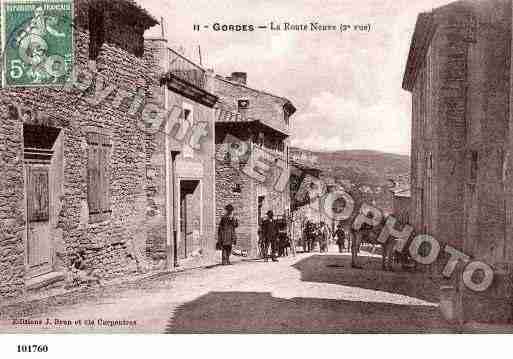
(98, 176)
(38, 205)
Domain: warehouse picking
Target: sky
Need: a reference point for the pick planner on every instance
(346, 86)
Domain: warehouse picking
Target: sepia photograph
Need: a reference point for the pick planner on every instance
(255, 167)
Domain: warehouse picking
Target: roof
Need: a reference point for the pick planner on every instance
(138, 5)
(286, 102)
(424, 31)
(131, 11)
(227, 116)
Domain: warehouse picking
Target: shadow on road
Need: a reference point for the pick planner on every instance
(336, 269)
(251, 312)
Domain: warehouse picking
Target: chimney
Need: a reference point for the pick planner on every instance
(240, 77)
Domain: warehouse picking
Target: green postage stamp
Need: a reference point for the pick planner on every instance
(37, 41)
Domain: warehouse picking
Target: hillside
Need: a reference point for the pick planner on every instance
(370, 171)
(364, 167)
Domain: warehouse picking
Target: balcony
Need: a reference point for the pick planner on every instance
(186, 78)
(269, 155)
(186, 70)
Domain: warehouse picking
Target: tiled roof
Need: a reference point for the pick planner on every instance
(227, 116)
(286, 101)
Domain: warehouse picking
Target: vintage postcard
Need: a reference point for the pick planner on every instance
(256, 167)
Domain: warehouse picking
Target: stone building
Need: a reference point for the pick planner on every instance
(459, 73)
(257, 123)
(188, 151)
(304, 178)
(82, 168)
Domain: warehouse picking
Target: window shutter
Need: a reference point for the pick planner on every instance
(105, 152)
(93, 173)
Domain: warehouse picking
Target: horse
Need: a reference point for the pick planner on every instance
(370, 234)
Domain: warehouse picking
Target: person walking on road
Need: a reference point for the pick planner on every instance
(270, 235)
(324, 236)
(307, 236)
(226, 237)
(356, 241)
(340, 235)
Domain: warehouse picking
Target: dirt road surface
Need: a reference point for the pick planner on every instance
(311, 293)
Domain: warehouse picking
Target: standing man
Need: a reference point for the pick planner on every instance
(306, 236)
(270, 234)
(226, 236)
(356, 240)
(340, 235)
(324, 237)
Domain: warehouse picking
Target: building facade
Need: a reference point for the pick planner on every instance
(257, 124)
(459, 73)
(187, 148)
(84, 171)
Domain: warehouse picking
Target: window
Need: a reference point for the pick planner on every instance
(501, 165)
(286, 117)
(281, 146)
(188, 113)
(242, 104)
(242, 107)
(98, 176)
(261, 139)
(473, 166)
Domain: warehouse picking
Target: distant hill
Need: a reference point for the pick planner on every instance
(365, 167)
(370, 171)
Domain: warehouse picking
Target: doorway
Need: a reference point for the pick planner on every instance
(39, 246)
(190, 217)
(39, 144)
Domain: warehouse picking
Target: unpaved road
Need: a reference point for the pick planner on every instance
(307, 294)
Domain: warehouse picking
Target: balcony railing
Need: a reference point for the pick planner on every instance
(186, 70)
(268, 154)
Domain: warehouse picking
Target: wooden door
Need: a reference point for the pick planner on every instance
(182, 247)
(39, 244)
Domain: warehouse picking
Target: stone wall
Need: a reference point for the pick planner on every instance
(461, 118)
(116, 246)
(243, 199)
(12, 218)
(196, 164)
(232, 185)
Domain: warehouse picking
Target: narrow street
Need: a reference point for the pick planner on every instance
(311, 293)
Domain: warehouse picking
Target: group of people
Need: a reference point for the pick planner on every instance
(321, 234)
(268, 233)
(313, 234)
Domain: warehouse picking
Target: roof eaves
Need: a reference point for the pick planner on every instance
(425, 28)
(219, 77)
